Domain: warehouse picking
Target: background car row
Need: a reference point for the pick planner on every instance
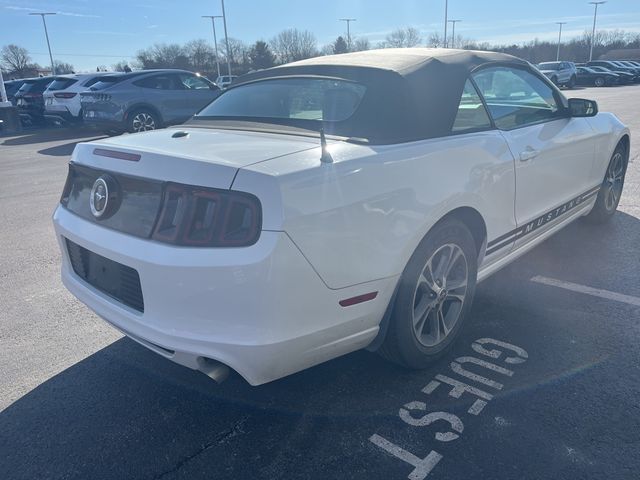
(599, 73)
(149, 99)
(113, 102)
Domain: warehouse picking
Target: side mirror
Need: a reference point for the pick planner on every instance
(580, 107)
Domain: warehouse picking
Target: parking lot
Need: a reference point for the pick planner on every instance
(79, 401)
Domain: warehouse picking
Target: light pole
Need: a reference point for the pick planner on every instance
(226, 38)
(453, 36)
(46, 34)
(348, 20)
(593, 33)
(3, 93)
(559, 39)
(215, 39)
(446, 21)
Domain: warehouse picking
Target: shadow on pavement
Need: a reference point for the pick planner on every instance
(30, 137)
(65, 149)
(124, 412)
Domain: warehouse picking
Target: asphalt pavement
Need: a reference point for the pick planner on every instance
(79, 401)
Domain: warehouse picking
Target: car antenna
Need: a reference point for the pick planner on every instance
(326, 156)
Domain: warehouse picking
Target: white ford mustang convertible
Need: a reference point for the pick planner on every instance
(330, 205)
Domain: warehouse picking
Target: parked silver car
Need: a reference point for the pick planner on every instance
(563, 74)
(145, 100)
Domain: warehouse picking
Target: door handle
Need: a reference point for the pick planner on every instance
(528, 154)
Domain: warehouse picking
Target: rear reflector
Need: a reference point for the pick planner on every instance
(64, 95)
(359, 299)
(132, 157)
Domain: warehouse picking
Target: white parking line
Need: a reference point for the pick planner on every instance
(594, 292)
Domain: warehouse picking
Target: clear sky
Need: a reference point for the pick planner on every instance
(87, 33)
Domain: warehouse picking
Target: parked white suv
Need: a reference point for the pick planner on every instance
(223, 81)
(62, 99)
(563, 74)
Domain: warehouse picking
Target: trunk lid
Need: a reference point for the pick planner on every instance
(195, 156)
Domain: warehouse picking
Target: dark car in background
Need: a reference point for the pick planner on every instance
(145, 100)
(588, 77)
(625, 78)
(624, 64)
(12, 87)
(615, 68)
(30, 101)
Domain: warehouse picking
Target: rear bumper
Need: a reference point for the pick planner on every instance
(60, 115)
(261, 310)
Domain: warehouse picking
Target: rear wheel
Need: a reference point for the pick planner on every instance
(599, 82)
(555, 80)
(142, 120)
(434, 297)
(572, 82)
(611, 188)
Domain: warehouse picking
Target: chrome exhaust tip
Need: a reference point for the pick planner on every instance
(213, 369)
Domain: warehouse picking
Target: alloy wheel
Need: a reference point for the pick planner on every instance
(614, 182)
(143, 122)
(600, 82)
(440, 295)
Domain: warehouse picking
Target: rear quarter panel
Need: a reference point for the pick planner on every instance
(361, 218)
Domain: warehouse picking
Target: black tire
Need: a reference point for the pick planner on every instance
(600, 82)
(113, 133)
(554, 80)
(142, 120)
(572, 82)
(611, 189)
(402, 344)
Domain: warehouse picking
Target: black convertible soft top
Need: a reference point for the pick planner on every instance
(412, 93)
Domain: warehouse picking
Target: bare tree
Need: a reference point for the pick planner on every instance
(239, 59)
(292, 44)
(63, 68)
(201, 55)
(121, 66)
(360, 44)
(163, 56)
(403, 38)
(14, 58)
(326, 49)
(435, 40)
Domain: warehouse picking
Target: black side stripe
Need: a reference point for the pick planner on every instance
(552, 215)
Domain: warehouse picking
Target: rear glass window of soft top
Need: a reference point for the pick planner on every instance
(315, 99)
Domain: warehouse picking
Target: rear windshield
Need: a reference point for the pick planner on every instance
(549, 66)
(294, 99)
(12, 87)
(34, 86)
(61, 83)
(103, 82)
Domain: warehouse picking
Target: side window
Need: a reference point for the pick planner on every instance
(471, 112)
(158, 82)
(516, 98)
(193, 82)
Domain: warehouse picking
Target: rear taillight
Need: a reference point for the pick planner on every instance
(64, 94)
(204, 217)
